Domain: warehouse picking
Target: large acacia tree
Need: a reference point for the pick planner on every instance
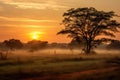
(87, 24)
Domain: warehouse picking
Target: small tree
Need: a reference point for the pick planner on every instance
(114, 45)
(36, 45)
(7, 46)
(87, 24)
(12, 44)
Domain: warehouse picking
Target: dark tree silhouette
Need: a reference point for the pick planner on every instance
(36, 45)
(87, 24)
(114, 45)
(13, 44)
(8, 45)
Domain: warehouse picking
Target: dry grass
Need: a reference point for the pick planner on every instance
(26, 65)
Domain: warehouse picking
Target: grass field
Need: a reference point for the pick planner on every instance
(22, 65)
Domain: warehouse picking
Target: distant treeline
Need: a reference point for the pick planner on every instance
(13, 44)
(34, 45)
(114, 45)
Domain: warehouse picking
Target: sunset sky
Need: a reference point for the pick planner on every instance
(32, 19)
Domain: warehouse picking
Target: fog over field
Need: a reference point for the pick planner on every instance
(61, 51)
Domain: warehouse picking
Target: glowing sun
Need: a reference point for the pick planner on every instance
(36, 35)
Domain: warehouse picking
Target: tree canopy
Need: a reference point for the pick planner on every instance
(87, 24)
(13, 44)
(35, 45)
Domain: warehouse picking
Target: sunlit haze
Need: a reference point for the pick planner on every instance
(36, 35)
(40, 19)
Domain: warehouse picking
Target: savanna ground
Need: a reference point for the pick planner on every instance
(60, 65)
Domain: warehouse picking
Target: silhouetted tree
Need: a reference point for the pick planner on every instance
(35, 45)
(58, 45)
(87, 24)
(8, 45)
(115, 44)
(13, 44)
(74, 45)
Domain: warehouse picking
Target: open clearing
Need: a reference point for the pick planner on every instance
(39, 66)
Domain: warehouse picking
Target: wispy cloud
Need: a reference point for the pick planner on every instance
(24, 19)
(1, 9)
(36, 5)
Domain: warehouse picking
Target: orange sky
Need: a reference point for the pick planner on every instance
(20, 18)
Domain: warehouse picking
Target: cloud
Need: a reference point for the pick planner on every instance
(1, 9)
(49, 4)
(24, 19)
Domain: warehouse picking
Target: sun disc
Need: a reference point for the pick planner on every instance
(36, 37)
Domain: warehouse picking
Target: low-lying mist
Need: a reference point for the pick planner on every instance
(63, 51)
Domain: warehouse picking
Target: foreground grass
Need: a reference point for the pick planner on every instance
(38, 67)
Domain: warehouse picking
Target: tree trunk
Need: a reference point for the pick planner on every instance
(88, 47)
